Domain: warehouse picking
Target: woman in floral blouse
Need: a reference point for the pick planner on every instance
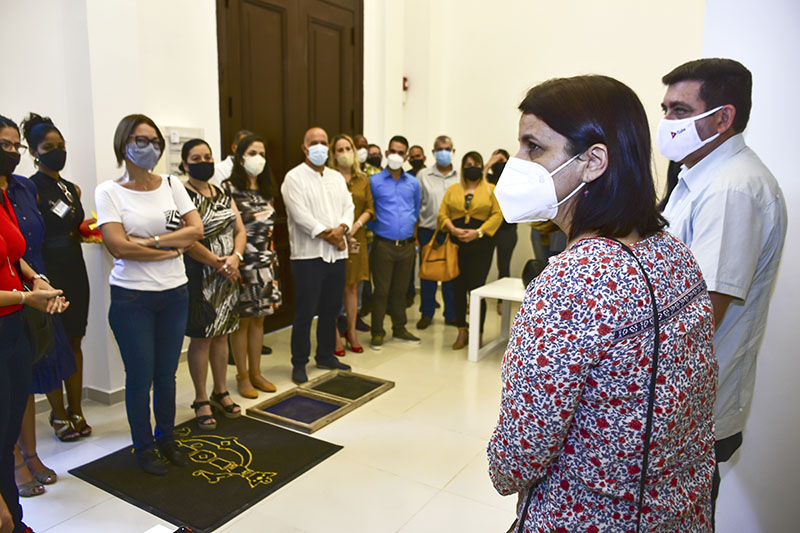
(577, 370)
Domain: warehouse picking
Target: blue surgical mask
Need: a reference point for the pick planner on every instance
(443, 157)
(146, 157)
(318, 154)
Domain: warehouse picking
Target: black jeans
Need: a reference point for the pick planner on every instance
(724, 450)
(474, 260)
(317, 284)
(390, 266)
(16, 359)
(505, 240)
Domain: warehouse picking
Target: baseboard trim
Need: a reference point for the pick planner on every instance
(107, 398)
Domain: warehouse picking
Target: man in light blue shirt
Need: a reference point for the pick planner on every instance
(396, 198)
(729, 209)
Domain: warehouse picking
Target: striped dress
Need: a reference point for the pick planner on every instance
(219, 221)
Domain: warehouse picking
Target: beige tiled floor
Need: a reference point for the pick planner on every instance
(413, 459)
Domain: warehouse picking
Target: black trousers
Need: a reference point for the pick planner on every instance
(504, 241)
(390, 267)
(724, 450)
(15, 385)
(317, 284)
(474, 261)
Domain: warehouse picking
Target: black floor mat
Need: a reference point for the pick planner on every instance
(232, 468)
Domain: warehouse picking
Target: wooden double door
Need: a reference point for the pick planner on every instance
(284, 66)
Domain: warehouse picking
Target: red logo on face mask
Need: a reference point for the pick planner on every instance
(674, 133)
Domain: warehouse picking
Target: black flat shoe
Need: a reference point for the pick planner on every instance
(332, 364)
(299, 375)
(172, 451)
(151, 463)
(266, 350)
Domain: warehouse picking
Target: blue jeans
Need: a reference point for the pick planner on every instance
(16, 359)
(427, 288)
(149, 328)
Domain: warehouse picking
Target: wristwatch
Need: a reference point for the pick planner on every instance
(157, 240)
(240, 256)
(41, 276)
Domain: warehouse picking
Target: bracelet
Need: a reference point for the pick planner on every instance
(42, 277)
(240, 256)
(157, 240)
(480, 233)
(22, 295)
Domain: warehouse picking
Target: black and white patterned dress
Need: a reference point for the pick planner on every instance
(261, 292)
(219, 222)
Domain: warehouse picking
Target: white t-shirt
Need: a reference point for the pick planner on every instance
(222, 171)
(145, 214)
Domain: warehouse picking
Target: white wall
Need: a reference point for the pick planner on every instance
(88, 63)
(760, 487)
(470, 63)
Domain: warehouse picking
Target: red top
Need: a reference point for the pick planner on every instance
(12, 248)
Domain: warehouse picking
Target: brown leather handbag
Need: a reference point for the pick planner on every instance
(439, 261)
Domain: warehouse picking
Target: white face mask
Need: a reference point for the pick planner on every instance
(318, 154)
(526, 191)
(394, 161)
(254, 164)
(362, 154)
(678, 138)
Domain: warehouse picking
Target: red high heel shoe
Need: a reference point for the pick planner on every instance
(349, 345)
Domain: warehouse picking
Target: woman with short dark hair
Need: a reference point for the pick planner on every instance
(16, 353)
(212, 267)
(147, 221)
(606, 417)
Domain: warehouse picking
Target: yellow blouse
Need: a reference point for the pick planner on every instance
(483, 206)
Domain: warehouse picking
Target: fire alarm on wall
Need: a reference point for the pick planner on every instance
(405, 83)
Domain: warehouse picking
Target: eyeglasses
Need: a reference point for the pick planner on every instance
(142, 141)
(467, 200)
(8, 146)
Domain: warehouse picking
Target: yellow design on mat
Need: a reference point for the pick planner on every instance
(223, 457)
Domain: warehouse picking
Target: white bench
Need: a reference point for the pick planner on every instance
(506, 289)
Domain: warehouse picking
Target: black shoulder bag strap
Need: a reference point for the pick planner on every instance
(648, 432)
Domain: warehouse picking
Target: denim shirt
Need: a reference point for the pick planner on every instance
(22, 193)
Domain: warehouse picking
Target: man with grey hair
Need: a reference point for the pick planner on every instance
(433, 183)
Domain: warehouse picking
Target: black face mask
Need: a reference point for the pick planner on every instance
(54, 159)
(416, 164)
(473, 173)
(8, 162)
(497, 168)
(203, 171)
(375, 161)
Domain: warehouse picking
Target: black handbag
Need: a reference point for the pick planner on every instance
(201, 313)
(39, 328)
(648, 432)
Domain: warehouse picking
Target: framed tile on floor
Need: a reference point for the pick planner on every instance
(318, 402)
